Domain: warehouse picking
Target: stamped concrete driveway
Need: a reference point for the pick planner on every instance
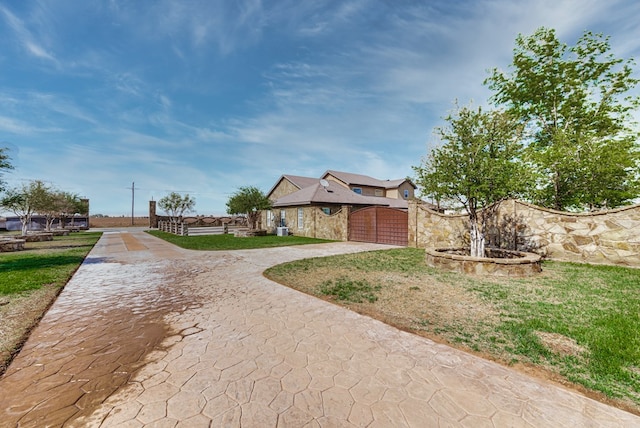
(147, 334)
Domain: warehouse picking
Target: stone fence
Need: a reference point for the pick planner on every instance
(603, 237)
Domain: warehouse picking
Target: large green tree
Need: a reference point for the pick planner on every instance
(248, 200)
(478, 164)
(176, 205)
(575, 103)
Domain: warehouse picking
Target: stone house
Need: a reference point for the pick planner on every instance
(320, 207)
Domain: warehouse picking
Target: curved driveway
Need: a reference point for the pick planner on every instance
(147, 334)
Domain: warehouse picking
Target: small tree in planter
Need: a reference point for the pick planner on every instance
(248, 200)
(478, 165)
(176, 205)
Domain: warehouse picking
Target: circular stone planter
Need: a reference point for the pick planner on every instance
(499, 263)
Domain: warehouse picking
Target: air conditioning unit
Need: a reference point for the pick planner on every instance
(282, 231)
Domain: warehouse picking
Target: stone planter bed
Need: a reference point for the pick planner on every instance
(499, 263)
(245, 233)
(8, 245)
(38, 237)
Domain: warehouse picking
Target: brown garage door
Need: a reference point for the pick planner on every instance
(380, 225)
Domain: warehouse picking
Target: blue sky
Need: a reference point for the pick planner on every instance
(205, 96)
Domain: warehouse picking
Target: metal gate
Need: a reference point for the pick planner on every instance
(380, 225)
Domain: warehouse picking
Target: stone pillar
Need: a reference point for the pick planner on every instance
(153, 218)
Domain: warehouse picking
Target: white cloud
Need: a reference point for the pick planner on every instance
(25, 37)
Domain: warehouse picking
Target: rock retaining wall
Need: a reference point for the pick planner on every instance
(605, 237)
(9, 245)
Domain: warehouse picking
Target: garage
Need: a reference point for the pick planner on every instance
(379, 225)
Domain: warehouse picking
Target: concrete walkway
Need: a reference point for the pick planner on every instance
(147, 334)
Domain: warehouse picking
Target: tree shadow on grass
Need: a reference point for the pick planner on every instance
(28, 263)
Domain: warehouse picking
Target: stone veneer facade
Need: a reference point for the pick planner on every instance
(605, 237)
(315, 223)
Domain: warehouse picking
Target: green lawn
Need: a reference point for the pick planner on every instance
(579, 321)
(50, 263)
(230, 242)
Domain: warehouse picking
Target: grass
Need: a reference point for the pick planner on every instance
(230, 242)
(44, 263)
(30, 280)
(578, 321)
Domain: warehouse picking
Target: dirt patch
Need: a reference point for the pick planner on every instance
(560, 344)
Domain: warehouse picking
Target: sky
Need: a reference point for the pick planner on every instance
(203, 97)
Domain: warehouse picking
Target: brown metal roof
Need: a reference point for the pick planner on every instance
(334, 194)
(351, 179)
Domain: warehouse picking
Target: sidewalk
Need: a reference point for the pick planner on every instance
(147, 334)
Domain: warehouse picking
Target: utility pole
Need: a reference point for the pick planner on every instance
(133, 198)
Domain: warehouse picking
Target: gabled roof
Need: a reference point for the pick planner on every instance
(297, 180)
(334, 194)
(351, 179)
(301, 182)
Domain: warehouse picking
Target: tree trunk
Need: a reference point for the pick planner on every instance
(25, 224)
(477, 238)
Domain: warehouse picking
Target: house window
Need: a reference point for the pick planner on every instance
(406, 193)
(326, 210)
(269, 218)
(357, 190)
(378, 192)
(300, 218)
(283, 220)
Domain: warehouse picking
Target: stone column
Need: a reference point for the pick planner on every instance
(153, 218)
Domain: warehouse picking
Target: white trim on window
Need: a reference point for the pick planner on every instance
(300, 218)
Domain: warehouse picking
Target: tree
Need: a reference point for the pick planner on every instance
(176, 205)
(5, 165)
(575, 105)
(25, 200)
(68, 204)
(47, 205)
(478, 164)
(248, 200)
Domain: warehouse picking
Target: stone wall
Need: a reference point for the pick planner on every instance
(432, 229)
(315, 223)
(605, 237)
(334, 226)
